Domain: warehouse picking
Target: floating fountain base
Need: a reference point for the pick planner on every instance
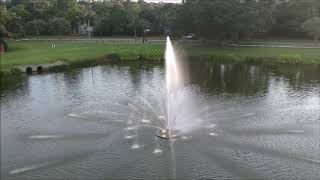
(165, 134)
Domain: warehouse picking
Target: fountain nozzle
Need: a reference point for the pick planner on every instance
(165, 134)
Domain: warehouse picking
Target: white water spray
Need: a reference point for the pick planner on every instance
(174, 79)
(173, 84)
(182, 102)
(170, 107)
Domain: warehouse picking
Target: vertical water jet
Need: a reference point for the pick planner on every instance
(173, 83)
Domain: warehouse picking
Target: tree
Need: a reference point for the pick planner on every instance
(167, 17)
(12, 23)
(288, 18)
(312, 27)
(113, 20)
(36, 27)
(149, 15)
(102, 21)
(133, 10)
(209, 19)
(118, 20)
(215, 18)
(3, 31)
(20, 11)
(59, 26)
(71, 11)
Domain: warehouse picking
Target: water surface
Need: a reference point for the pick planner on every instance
(263, 123)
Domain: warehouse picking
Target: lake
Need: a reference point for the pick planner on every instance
(262, 122)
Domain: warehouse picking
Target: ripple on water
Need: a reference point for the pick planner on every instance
(135, 146)
(157, 151)
(25, 169)
(186, 138)
(213, 134)
(211, 126)
(147, 121)
(130, 128)
(75, 115)
(46, 136)
(270, 130)
(129, 137)
(31, 167)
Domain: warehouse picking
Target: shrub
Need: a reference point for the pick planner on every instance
(15, 71)
(5, 44)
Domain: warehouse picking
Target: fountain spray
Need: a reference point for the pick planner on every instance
(174, 83)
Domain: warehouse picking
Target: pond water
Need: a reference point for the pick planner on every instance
(262, 122)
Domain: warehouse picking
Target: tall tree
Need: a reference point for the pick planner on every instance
(288, 18)
(312, 27)
(133, 10)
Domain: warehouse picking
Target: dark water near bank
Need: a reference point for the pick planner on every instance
(264, 124)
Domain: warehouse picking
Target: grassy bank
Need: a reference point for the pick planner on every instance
(41, 52)
(281, 55)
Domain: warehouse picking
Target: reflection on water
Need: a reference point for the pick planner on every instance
(263, 121)
(252, 78)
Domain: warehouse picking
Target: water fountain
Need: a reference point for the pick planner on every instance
(174, 84)
(168, 105)
(175, 107)
(144, 124)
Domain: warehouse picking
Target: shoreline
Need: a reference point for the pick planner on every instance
(12, 78)
(70, 54)
(116, 59)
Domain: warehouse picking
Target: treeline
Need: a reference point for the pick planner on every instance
(214, 19)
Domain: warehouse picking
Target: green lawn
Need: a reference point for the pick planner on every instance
(240, 53)
(40, 52)
(37, 52)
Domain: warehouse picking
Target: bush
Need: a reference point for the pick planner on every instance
(5, 44)
(59, 26)
(15, 71)
(15, 26)
(113, 56)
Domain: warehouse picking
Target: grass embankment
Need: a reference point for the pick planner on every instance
(41, 52)
(273, 54)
